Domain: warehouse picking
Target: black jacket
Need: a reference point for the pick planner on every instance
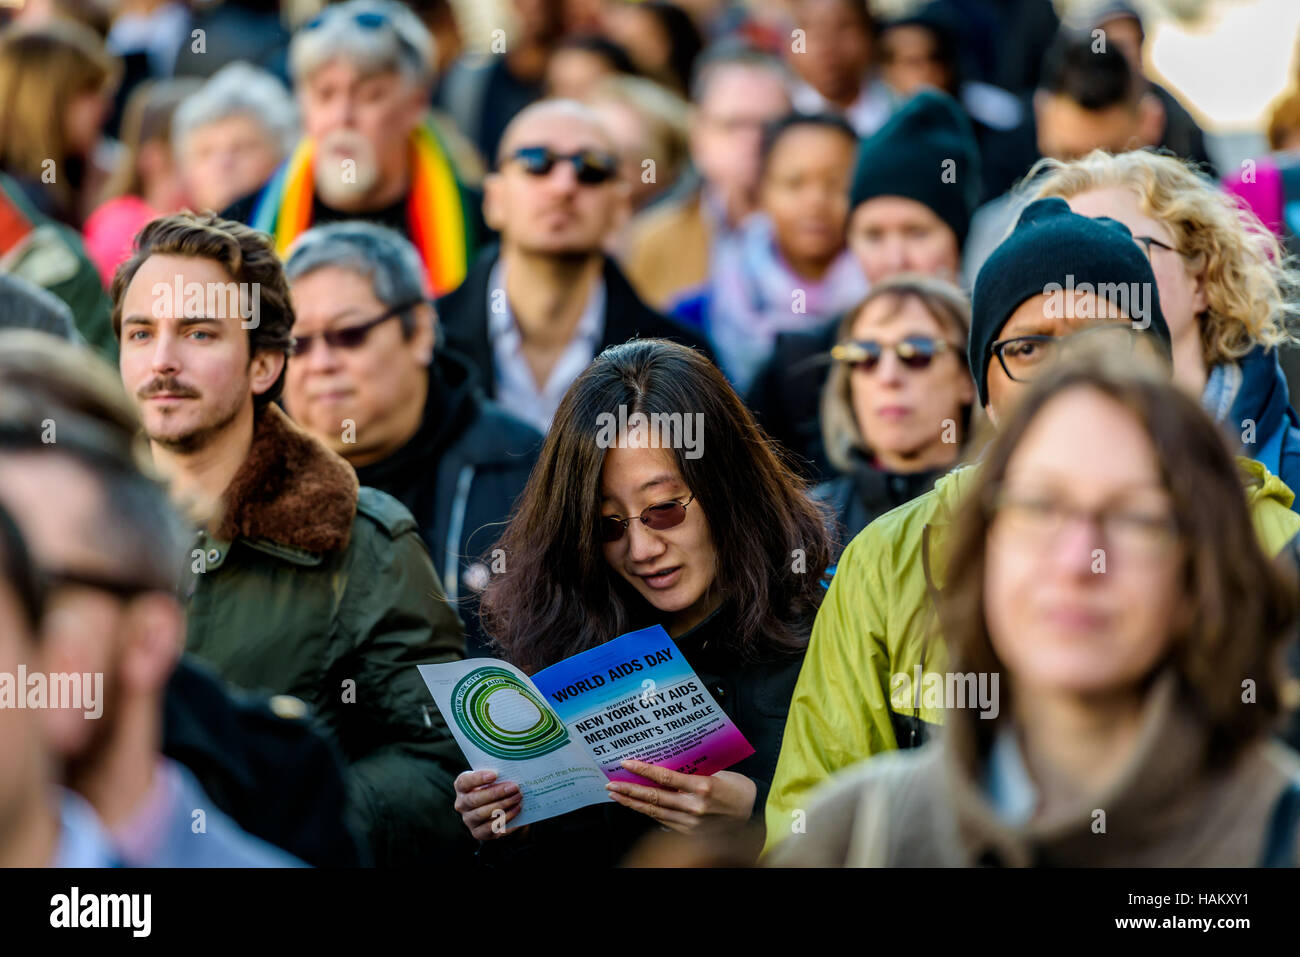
(463, 313)
(460, 475)
(858, 498)
(786, 396)
(277, 777)
(755, 695)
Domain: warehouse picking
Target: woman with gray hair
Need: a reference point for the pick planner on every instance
(896, 410)
(230, 136)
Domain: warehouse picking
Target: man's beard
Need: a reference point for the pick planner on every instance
(341, 185)
(202, 435)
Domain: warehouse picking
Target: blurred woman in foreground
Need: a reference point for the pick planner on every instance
(1128, 633)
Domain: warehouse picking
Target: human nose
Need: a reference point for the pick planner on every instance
(1078, 538)
(563, 177)
(644, 544)
(166, 355)
(889, 370)
(319, 357)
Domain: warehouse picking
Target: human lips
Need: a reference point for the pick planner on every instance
(662, 579)
(894, 411)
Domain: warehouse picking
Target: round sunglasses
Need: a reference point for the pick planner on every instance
(590, 167)
(914, 352)
(349, 337)
(659, 517)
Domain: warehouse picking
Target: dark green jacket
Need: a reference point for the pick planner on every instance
(311, 586)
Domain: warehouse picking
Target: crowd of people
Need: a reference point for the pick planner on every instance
(309, 317)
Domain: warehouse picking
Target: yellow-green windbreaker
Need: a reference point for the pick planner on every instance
(877, 621)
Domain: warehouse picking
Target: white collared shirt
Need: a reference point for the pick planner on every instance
(866, 114)
(516, 387)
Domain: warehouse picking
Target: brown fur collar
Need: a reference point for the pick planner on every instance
(290, 490)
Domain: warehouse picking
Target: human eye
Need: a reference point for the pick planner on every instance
(1026, 350)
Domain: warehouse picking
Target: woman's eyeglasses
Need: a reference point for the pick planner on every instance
(914, 352)
(1146, 242)
(659, 517)
(349, 337)
(590, 167)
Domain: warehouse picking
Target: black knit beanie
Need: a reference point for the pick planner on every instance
(1052, 245)
(909, 156)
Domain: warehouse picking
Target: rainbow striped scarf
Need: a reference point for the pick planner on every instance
(435, 209)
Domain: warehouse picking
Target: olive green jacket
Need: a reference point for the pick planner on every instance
(308, 585)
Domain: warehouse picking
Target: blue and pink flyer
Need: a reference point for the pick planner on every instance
(563, 733)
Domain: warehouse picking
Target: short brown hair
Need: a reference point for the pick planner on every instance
(1241, 602)
(245, 253)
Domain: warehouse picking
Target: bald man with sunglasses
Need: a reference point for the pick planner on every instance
(535, 310)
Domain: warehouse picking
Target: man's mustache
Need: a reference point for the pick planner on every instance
(167, 385)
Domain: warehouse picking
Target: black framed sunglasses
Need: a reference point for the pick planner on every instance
(349, 337)
(914, 352)
(591, 167)
(659, 517)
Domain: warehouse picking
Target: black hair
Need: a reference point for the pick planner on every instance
(1095, 79)
(684, 40)
(778, 128)
(603, 47)
(18, 569)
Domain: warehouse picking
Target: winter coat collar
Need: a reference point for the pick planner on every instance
(451, 404)
(291, 491)
(1151, 801)
(1262, 396)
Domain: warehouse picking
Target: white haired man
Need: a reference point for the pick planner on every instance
(362, 72)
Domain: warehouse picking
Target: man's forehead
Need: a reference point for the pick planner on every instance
(561, 130)
(347, 68)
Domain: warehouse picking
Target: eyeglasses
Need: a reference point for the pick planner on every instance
(1023, 358)
(118, 588)
(1038, 519)
(349, 337)
(1146, 242)
(915, 352)
(591, 167)
(659, 517)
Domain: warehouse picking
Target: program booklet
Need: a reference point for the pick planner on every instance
(562, 734)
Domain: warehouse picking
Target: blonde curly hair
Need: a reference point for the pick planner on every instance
(1250, 284)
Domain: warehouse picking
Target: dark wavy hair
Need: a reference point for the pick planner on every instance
(558, 595)
(1242, 605)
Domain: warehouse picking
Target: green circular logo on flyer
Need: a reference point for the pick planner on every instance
(503, 716)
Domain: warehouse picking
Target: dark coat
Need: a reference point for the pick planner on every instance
(460, 475)
(312, 586)
(857, 499)
(755, 695)
(1263, 399)
(243, 747)
(463, 313)
(786, 397)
